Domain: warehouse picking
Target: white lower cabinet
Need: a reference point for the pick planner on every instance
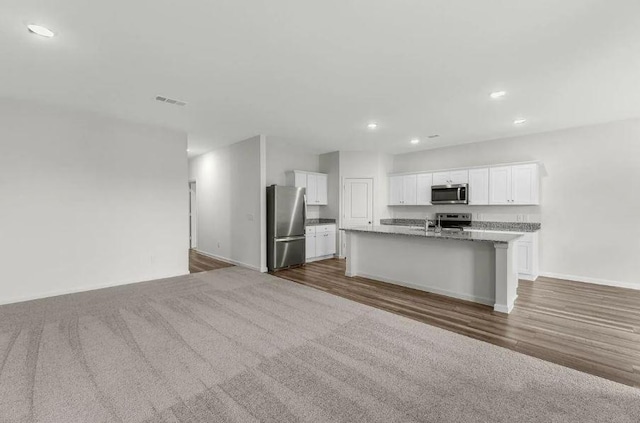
(321, 241)
(526, 252)
(310, 245)
(525, 256)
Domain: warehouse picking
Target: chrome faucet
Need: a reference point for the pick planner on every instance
(439, 226)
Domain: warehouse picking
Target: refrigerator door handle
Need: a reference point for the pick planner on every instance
(290, 238)
(304, 216)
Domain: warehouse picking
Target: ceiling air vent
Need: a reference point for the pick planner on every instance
(171, 101)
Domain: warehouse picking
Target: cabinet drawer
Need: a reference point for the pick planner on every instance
(309, 230)
(325, 228)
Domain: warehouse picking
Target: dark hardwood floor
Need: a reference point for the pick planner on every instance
(201, 263)
(591, 328)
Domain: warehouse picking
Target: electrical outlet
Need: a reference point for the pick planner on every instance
(520, 218)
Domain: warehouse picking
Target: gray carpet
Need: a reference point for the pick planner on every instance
(237, 345)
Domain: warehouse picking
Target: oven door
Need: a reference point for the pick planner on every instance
(449, 194)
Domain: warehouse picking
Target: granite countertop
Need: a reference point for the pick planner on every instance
(453, 235)
(321, 221)
(478, 224)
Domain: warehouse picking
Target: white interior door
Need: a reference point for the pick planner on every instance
(358, 202)
(357, 209)
(193, 218)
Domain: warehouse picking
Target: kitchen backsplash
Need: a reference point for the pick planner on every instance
(476, 216)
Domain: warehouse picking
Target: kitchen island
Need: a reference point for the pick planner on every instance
(473, 266)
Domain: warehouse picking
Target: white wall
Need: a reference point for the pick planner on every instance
(87, 201)
(590, 199)
(369, 164)
(329, 163)
(365, 164)
(283, 157)
(231, 208)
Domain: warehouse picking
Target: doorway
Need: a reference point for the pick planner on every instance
(357, 205)
(193, 216)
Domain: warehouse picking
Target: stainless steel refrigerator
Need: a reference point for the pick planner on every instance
(286, 215)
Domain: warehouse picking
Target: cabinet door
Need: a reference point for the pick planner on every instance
(478, 186)
(321, 244)
(310, 246)
(500, 185)
(396, 187)
(321, 189)
(459, 177)
(525, 257)
(524, 184)
(409, 190)
(312, 189)
(300, 179)
(441, 178)
(423, 191)
(330, 247)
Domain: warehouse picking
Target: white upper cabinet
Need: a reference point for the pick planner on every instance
(441, 178)
(525, 184)
(396, 190)
(300, 180)
(500, 185)
(315, 184)
(459, 177)
(514, 185)
(321, 194)
(479, 186)
(423, 191)
(452, 177)
(410, 187)
(402, 190)
(312, 189)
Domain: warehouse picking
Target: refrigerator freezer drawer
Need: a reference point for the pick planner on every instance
(288, 252)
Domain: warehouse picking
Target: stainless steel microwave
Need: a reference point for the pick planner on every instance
(450, 194)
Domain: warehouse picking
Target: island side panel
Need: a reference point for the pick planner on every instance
(351, 254)
(506, 277)
(460, 269)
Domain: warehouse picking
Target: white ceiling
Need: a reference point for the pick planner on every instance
(315, 72)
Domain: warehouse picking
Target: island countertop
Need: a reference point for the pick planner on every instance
(499, 238)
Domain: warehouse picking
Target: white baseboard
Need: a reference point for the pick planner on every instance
(472, 298)
(527, 277)
(230, 261)
(503, 309)
(57, 293)
(311, 260)
(586, 279)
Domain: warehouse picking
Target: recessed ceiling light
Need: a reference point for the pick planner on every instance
(40, 30)
(519, 121)
(498, 94)
(372, 125)
(415, 141)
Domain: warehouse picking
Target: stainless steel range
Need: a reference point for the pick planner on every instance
(453, 221)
